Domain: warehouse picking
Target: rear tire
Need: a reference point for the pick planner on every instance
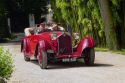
(24, 51)
(26, 58)
(89, 56)
(42, 59)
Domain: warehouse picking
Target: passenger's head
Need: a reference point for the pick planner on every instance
(54, 26)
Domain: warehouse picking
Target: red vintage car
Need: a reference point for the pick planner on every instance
(57, 46)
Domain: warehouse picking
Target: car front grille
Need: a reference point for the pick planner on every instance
(65, 44)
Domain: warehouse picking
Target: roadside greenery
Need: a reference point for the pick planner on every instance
(4, 38)
(6, 63)
(18, 11)
(101, 49)
(84, 17)
(89, 18)
(103, 20)
(122, 51)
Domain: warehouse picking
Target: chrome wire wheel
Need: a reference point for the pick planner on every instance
(42, 58)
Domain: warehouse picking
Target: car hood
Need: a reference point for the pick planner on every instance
(46, 35)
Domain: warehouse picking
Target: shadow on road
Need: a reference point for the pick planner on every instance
(75, 65)
(65, 65)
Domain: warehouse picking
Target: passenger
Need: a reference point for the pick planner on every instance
(55, 27)
(76, 37)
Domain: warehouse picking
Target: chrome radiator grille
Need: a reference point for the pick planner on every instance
(65, 44)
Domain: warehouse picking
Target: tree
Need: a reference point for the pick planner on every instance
(19, 10)
(109, 25)
(83, 16)
(4, 32)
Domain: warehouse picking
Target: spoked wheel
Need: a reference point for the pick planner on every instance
(89, 56)
(26, 58)
(42, 58)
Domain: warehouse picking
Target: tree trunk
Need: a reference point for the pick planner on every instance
(122, 24)
(124, 12)
(108, 23)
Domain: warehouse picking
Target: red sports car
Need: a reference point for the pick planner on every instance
(57, 46)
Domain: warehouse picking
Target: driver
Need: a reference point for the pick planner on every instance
(41, 28)
(31, 30)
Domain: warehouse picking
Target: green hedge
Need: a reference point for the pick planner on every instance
(6, 63)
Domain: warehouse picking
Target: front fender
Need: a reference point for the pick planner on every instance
(44, 45)
(86, 42)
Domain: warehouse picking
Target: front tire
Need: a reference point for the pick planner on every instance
(89, 56)
(42, 58)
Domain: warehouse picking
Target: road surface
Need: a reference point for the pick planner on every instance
(108, 68)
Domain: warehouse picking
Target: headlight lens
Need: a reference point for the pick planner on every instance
(76, 36)
(53, 36)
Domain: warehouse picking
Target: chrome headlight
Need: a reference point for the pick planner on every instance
(76, 36)
(53, 36)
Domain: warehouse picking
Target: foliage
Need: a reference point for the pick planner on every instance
(3, 20)
(101, 49)
(2, 12)
(122, 51)
(2, 8)
(37, 7)
(15, 9)
(83, 15)
(6, 63)
(118, 13)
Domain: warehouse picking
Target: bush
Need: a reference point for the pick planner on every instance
(6, 63)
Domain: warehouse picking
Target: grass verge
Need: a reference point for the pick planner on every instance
(122, 51)
(101, 49)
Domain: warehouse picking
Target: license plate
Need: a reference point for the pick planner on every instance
(69, 59)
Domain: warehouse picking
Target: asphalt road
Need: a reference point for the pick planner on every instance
(108, 68)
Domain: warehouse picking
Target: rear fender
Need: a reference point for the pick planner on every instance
(23, 45)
